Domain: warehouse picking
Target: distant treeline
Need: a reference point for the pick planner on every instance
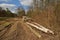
(6, 13)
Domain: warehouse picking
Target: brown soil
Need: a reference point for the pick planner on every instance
(19, 31)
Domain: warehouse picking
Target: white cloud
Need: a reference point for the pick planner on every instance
(6, 5)
(26, 2)
(13, 10)
(9, 6)
(5, 0)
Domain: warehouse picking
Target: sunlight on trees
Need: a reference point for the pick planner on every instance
(47, 11)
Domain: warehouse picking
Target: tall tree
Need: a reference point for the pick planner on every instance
(21, 12)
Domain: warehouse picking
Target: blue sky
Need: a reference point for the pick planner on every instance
(13, 4)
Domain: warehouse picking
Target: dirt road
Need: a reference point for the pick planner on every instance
(20, 31)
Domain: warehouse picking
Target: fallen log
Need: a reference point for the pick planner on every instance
(40, 28)
(32, 30)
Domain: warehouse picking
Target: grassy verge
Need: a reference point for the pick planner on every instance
(2, 26)
(3, 18)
